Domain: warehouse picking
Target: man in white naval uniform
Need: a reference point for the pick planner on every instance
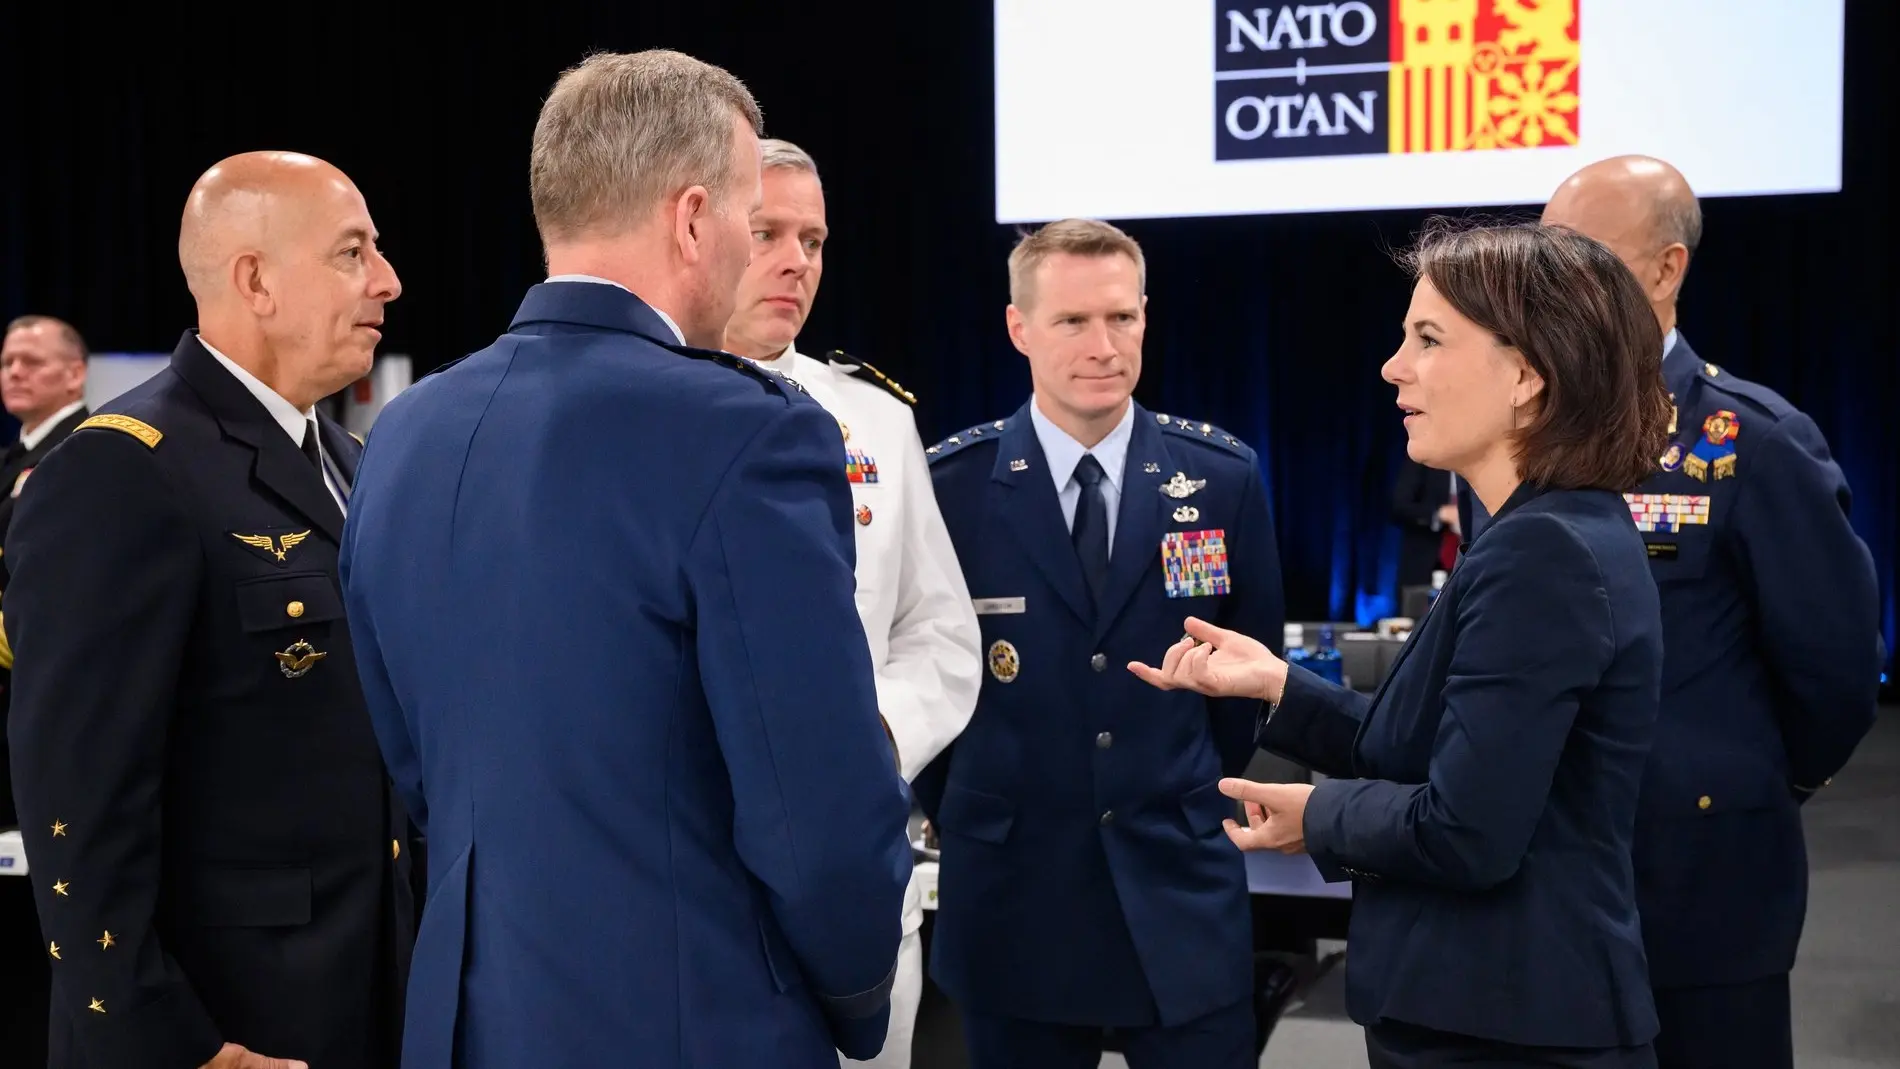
(925, 644)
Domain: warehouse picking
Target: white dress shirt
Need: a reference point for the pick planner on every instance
(664, 318)
(32, 439)
(1062, 453)
(285, 413)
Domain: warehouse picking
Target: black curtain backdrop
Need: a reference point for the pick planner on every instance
(1273, 327)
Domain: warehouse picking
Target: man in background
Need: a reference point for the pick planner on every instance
(628, 696)
(43, 383)
(1086, 884)
(910, 592)
(216, 853)
(1770, 621)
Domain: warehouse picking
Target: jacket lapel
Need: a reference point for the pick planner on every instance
(1140, 519)
(279, 464)
(342, 448)
(1027, 503)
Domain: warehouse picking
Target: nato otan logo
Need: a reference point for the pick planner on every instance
(1394, 76)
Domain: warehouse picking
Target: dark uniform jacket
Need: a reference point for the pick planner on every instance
(212, 835)
(15, 468)
(1771, 623)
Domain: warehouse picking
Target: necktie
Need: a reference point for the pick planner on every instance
(1090, 532)
(310, 446)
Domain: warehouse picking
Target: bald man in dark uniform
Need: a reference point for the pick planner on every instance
(1772, 653)
(217, 857)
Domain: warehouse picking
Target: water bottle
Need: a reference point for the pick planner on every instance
(1438, 585)
(1325, 662)
(1296, 651)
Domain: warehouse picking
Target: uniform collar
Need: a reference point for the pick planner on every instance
(784, 363)
(30, 440)
(1680, 363)
(1062, 453)
(655, 309)
(283, 412)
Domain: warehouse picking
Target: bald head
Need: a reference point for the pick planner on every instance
(255, 203)
(280, 252)
(1644, 210)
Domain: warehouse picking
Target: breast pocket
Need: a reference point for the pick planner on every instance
(280, 602)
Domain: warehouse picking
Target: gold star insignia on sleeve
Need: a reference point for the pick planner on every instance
(59, 829)
(60, 888)
(105, 941)
(53, 949)
(96, 1006)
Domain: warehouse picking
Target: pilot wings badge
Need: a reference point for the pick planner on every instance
(280, 548)
(1181, 486)
(299, 659)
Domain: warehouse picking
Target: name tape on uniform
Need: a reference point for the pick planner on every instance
(1000, 606)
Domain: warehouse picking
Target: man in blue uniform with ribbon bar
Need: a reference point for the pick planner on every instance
(1087, 883)
(1770, 619)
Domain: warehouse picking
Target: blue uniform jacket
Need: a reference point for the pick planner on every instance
(1086, 879)
(1771, 622)
(601, 589)
(1488, 791)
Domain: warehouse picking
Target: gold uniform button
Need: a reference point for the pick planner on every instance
(395, 849)
(294, 609)
(1703, 802)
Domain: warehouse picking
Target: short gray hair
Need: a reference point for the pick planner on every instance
(776, 152)
(621, 131)
(1075, 237)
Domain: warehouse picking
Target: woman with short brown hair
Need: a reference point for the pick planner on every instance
(1483, 801)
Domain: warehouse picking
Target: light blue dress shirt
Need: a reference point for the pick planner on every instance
(1063, 453)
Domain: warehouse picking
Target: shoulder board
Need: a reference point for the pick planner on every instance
(137, 428)
(1776, 406)
(1202, 432)
(982, 432)
(847, 363)
(782, 383)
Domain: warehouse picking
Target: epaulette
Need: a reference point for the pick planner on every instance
(137, 428)
(783, 383)
(982, 432)
(846, 362)
(1776, 406)
(1202, 432)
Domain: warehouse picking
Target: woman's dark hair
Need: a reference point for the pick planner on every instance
(1580, 319)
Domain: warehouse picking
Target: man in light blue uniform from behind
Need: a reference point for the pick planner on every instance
(1086, 881)
(1771, 654)
(600, 579)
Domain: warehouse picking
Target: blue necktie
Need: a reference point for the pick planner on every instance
(1090, 532)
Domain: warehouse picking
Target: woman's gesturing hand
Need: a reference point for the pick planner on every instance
(1218, 663)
